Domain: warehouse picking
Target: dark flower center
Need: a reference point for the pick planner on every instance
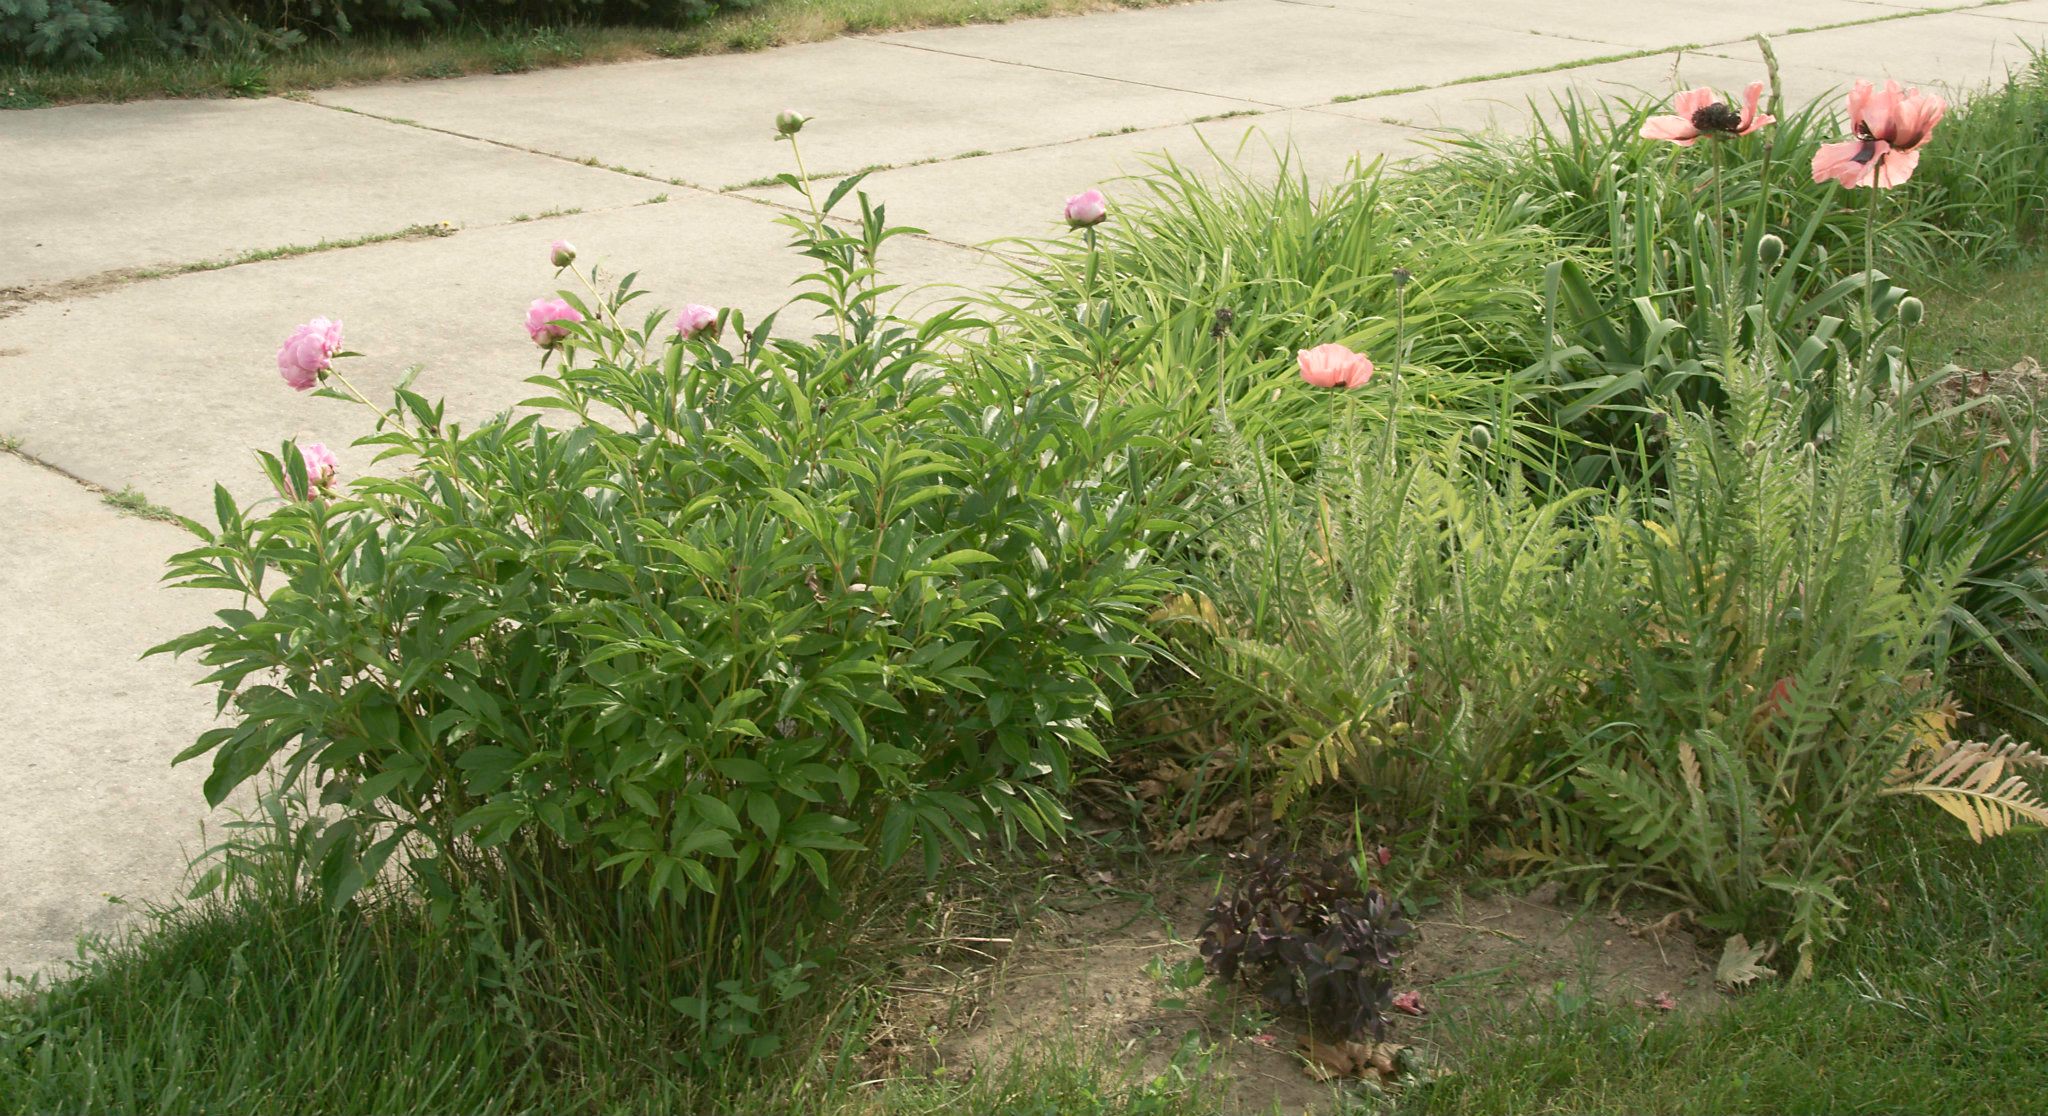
(1718, 117)
(1866, 153)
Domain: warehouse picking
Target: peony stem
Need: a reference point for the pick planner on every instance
(803, 178)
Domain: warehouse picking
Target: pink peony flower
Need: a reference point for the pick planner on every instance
(1409, 1003)
(308, 352)
(321, 466)
(1334, 365)
(1891, 125)
(561, 253)
(1701, 112)
(1087, 209)
(694, 319)
(543, 318)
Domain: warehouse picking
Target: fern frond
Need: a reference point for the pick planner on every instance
(1968, 779)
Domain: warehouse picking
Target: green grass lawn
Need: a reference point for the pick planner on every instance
(1990, 323)
(455, 52)
(1934, 1005)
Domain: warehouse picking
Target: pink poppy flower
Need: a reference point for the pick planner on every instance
(1701, 112)
(1891, 125)
(1334, 365)
(1409, 1003)
(544, 320)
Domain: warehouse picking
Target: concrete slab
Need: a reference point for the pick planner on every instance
(1959, 51)
(1931, 5)
(710, 121)
(90, 188)
(94, 820)
(1506, 104)
(1020, 193)
(2023, 11)
(169, 385)
(1640, 23)
(1269, 51)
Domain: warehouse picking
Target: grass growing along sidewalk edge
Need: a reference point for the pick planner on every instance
(463, 51)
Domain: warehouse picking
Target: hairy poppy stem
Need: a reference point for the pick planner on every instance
(1870, 263)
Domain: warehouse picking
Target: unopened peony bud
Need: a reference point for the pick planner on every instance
(1912, 311)
(1770, 249)
(789, 122)
(1086, 209)
(321, 467)
(695, 319)
(562, 253)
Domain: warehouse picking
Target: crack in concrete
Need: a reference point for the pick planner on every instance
(13, 448)
(1083, 73)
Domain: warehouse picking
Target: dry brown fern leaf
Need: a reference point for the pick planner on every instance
(1975, 782)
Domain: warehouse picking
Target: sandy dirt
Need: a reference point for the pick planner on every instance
(1095, 966)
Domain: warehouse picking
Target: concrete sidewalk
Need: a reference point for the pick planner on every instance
(419, 214)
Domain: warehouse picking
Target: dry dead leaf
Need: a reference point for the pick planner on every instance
(1656, 930)
(1741, 963)
(1330, 1061)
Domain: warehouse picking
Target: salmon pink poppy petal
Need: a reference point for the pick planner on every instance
(1751, 118)
(1693, 100)
(1859, 98)
(1848, 162)
(1897, 167)
(1881, 110)
(1917, 117)
(1333, 365)
(1677, 129)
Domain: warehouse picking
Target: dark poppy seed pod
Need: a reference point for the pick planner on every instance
(1719, 117)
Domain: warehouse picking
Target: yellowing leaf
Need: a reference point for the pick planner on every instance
(1741, 963)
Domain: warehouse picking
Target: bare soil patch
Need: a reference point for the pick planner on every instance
(1093, 965)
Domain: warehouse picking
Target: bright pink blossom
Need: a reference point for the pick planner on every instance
(308, 352)
(1699, 112)
(694, 319)
(1334, 365)
(544, 321)
(321, 466)
(1087, 208)
(1891, 125)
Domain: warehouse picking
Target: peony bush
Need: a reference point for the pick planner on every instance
(749, 625)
